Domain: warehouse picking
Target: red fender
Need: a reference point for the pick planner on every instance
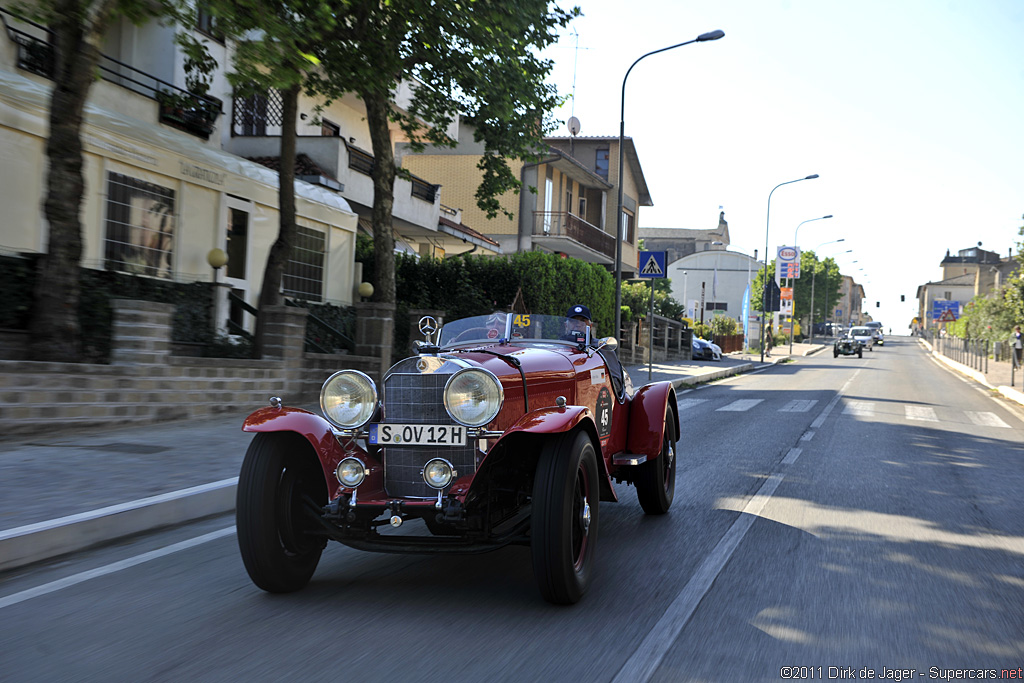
(647, 418)
(555, 420)
(317, 431)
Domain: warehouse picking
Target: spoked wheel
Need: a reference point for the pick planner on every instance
(656, 479)
(280, 481)
(564, 519)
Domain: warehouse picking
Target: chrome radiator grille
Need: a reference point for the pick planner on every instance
(413, 398)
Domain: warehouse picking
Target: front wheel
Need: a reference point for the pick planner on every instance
(835, 354)
(860, 353)
(564, 518)
(656, 479)
(280, 481)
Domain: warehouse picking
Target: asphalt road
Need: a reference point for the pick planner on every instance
(830, 512)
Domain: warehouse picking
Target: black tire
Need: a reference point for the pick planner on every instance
(835, 354)
(860, 353)
(271, 517)
(564, 518)
(656, 479)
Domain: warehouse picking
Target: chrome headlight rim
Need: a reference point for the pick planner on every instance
(452, 473)
(372, 402)
(498, 404)
(362, 472)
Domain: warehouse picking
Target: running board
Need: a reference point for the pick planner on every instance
(628, 459)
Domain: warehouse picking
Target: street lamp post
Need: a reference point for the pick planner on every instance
(792, 319)
(704, 37)
(814, 273)
(764, 295)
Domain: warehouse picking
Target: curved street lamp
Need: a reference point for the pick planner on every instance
(764, 295)
(792, 325)
(704, 37)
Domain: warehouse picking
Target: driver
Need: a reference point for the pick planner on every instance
(578, 318)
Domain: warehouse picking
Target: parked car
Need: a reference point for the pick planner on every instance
(504, 429)
(706, 350)
(847, 346)
(864, 335)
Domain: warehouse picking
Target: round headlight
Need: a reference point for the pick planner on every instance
(473, 396)
(350, 472)
(438, 473)
(348, 399)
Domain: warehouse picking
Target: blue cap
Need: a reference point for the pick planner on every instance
(578, 310)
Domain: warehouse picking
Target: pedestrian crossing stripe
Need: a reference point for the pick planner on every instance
(923, 413)
(741, 405)
(652, 267)
(986, 419)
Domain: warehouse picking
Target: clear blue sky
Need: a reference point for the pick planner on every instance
(911, 111)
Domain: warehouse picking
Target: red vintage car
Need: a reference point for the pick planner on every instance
(504, 429)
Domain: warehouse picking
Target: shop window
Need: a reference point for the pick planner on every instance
(140, 227)
(304, 273)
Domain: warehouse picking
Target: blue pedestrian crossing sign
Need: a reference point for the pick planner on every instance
(652, 263)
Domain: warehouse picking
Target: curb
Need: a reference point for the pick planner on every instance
(45, 540)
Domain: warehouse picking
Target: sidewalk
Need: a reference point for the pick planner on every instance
(63, 492)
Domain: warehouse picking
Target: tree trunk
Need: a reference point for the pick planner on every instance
(54, 327)
(383, 196)
(281, 251)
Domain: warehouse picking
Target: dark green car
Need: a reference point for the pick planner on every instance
(847, 346)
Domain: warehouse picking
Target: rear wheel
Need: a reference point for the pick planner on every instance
(835, 353)
(564, 518)
(860, 353)
(656, 479)
(280, 481)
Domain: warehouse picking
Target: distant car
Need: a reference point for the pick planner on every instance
(876, 327)
(865, 335)
(847, 346)
(705, 350)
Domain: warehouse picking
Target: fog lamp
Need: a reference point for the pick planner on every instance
(350, 472)
(438, 473)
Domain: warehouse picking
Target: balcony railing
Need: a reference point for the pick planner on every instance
(563, 224)
(181, 108)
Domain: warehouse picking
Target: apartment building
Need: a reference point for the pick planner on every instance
(172, 174)
(566, 199)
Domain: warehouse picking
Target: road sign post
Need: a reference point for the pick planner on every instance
(652, 265)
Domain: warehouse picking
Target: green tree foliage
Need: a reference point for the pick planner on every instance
(637, 297)
(722, 325)
(986, 317)
(475, 285)
(478, 60)
(820, 278)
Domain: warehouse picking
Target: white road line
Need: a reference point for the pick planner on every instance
(647, 657)
(860, 408)
(807, 436)
(740, 405)
(642, 664)
(986, 419)
(798, 406)
(685, 403)
(923, 413)
(75, 579)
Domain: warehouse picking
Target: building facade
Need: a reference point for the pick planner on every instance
(565, 202)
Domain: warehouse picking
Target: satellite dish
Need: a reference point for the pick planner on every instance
(574, 125)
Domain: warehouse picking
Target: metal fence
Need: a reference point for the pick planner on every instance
(974, 353)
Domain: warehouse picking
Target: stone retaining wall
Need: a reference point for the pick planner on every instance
(145, 383)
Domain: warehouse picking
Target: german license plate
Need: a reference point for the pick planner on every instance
(417, 435)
